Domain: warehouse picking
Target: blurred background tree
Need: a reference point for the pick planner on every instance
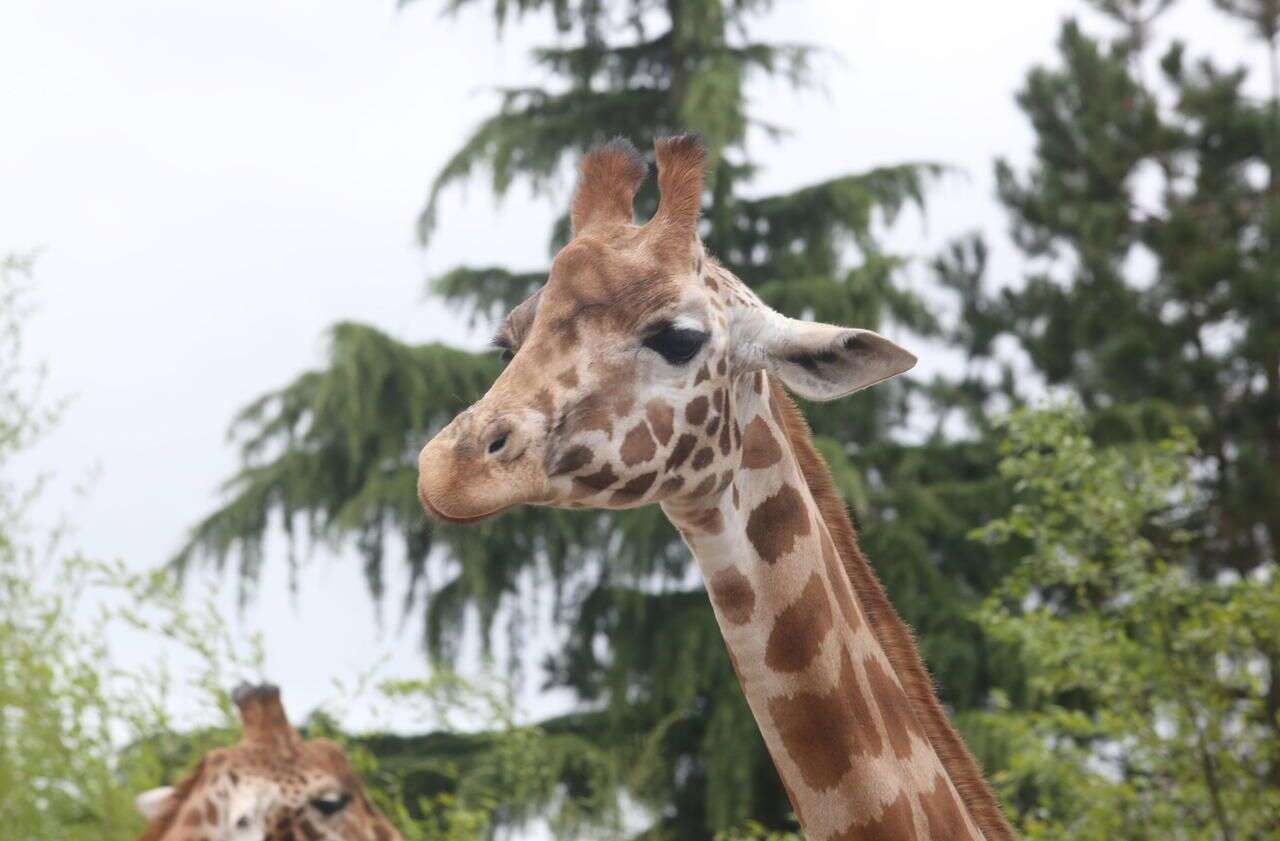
(1147, 224)
(1146, 714)
(1149, 220)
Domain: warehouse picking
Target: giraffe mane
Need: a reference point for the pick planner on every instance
(161, 824)
(893, 634)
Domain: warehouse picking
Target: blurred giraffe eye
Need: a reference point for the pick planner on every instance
(677, 345)
(331, 804)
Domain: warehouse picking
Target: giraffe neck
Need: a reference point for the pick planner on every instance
(852, 753)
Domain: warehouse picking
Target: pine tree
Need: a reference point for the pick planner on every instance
(1149, 219)
(331, 454)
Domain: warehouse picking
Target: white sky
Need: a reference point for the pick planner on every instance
(214, 184)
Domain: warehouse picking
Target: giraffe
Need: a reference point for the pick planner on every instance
(272, 786)
(643, 371)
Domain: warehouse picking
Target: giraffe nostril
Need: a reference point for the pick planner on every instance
(501, 441)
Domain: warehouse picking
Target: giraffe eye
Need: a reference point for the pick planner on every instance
(331, 804)
(677, 345)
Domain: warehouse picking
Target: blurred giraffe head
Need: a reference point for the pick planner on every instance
(272, 786)
(618, 392)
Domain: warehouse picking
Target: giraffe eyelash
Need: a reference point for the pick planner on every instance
(502, 343)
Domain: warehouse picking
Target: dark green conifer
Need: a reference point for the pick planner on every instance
(1149, 220)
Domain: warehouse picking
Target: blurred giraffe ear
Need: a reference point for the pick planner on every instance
(609, 176)
(680, 161)
(152, 804)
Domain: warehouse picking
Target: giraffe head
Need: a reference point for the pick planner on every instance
(272, 786)
(618, 388)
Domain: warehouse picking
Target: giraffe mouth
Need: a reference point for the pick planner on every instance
(433, 511)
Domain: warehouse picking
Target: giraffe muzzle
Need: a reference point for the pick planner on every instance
(480, 465)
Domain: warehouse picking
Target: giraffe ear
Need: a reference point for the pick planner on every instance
(608, 178)
(819, 361)
(152, 804)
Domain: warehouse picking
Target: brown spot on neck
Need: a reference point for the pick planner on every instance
(724, 437)
(760, 448)
(800, 629)
(840, 583)
(707, 521)
(824, 732)
(894, 823)
(733, 595)
(777, 523)
(895, 709)
(942, 813)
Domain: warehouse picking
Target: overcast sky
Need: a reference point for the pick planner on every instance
(214, 184)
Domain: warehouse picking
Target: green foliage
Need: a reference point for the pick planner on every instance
(79, 735)
(1147, 716)
(1150, 220)
(753, 831)
(479, 769)
(483, 769)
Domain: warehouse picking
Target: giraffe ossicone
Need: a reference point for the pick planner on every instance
(643, 371)
(271, 786)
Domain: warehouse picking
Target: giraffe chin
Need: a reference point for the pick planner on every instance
(455, 519)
